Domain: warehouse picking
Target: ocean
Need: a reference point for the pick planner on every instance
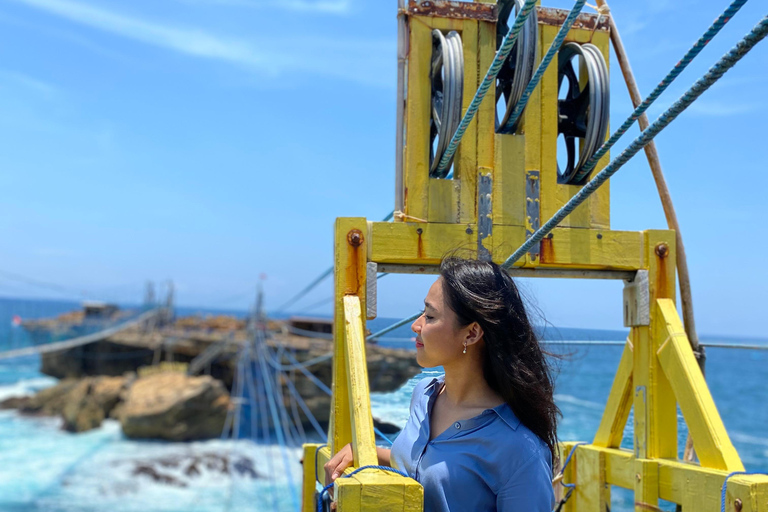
(45, 469)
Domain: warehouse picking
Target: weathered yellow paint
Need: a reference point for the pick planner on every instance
(646, 485)
(308, 477)
(363, 437)
(654, 404)
(592, 491)
(567, 248)
(443, 201)
(417, 112)
(713, 445)
(690, 485)
(617, 407)
(349, 279)
(465, 161)
(509, 181)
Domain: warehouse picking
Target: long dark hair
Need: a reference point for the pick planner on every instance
(514, 364)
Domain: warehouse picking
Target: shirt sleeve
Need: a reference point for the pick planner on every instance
(529, 489)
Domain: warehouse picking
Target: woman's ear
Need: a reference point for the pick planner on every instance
(474, 333)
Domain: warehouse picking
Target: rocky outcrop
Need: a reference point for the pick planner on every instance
(82, 404)
(91, 401)
(174, 407)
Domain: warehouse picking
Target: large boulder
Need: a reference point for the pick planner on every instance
(91, 401)
(174, 407)
(49, 401)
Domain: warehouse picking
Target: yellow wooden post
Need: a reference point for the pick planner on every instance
(309, 477)
(350, 257)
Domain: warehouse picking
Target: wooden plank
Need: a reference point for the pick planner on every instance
(611, 430)
(619, 467)
(646, 485)
(350, 258)
(443, 201)
(713, 445)
(509, 181)
(592, 492)
(363, 436)
(426, 244)
(465, 162)
(417, 115)
(309, 465)
(654, 404)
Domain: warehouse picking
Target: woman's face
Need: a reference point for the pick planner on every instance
(439, 338)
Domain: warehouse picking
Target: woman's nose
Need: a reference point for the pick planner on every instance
(416, 325)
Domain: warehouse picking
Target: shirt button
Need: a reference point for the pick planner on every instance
(457, 425)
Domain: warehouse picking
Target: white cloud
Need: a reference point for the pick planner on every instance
(365, 62)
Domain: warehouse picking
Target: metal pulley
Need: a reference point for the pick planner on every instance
(517, 70)
(583, 112)
(447, 77)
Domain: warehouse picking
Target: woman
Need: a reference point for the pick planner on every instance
(482, 436)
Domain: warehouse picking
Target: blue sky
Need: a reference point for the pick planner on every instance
(211, 141)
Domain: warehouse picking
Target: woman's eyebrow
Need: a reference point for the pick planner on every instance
(428, 305)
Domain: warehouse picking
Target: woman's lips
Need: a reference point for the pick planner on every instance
(419, 343)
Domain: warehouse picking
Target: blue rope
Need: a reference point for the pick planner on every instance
(501, 55)
(550, 55)
(381, 435)
(713, 75)
(567, 460)
(325, 489)
(718, 24)
(393, 327)
(276, 423)
(725, 484)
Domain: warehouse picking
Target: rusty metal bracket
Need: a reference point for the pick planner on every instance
(587, 21)
(456, 10)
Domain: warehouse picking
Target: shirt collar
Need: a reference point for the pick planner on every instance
(503, 411)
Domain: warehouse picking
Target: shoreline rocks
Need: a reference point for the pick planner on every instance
(168, 406)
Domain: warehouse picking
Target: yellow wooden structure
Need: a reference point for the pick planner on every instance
(503, 187)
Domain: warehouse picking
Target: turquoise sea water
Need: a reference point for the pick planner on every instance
(43, 468)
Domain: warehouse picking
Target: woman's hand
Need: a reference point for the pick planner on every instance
(338, 463)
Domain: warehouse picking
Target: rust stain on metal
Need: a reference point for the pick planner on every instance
(458, 10)
(547, 250)
(662, 250)
(420, 246)
(355, 238)
(587, 21)
(662, 290)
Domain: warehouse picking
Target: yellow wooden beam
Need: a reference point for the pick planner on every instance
(617, 407)
(363, 436)
(418, 243)
(350, 258)
(713, 445)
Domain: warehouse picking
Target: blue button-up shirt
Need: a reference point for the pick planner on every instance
(486, 463)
